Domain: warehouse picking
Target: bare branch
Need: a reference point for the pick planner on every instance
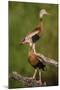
(27, 81)
(48, 60)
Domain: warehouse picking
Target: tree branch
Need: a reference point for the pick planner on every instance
(27, 81)
(48, 60)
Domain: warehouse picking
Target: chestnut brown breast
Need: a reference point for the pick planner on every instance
(32, 58)
(34, 61)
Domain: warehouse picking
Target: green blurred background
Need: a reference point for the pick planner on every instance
(23, 18)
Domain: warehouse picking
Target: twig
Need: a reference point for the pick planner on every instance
(27, 81)
(48, 60)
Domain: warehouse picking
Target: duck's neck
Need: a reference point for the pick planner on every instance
(41, 23)
(41, 19)
(31, 51)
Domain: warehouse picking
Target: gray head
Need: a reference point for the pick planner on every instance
(26, 40)
(43, 12)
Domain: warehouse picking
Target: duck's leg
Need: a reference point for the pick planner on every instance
(40, 76)
(34, 74)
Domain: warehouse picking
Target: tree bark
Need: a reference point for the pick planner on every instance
(48, 60)
(27, 81)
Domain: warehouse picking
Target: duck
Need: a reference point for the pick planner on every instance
(33, 36)
(35, 61)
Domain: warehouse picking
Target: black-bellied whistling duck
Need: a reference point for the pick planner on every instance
(35, 60)
(34, 36)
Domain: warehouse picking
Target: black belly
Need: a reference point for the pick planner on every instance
(39, 65)
(35, 38)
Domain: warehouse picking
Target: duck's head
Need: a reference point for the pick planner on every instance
(43, 12)
(26, 41)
